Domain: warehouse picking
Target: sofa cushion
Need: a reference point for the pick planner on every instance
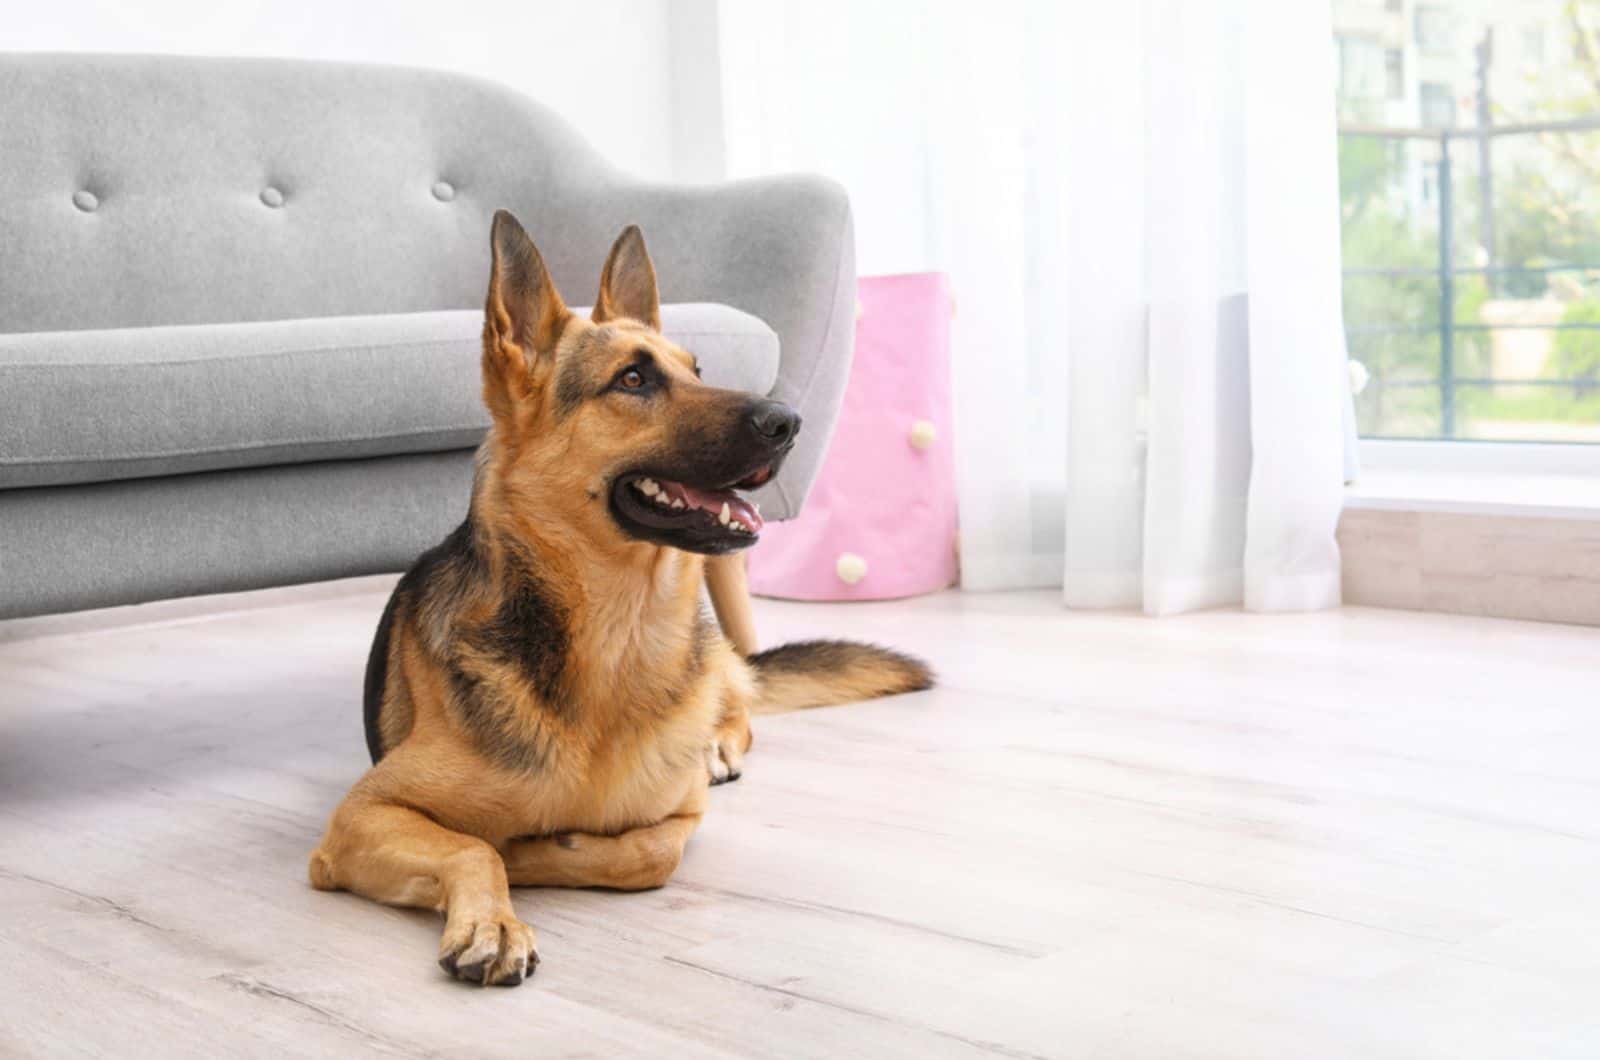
(88, 406)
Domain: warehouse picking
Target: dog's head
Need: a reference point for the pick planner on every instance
(606, 423)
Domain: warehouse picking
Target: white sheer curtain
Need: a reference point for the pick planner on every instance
(1138, 207)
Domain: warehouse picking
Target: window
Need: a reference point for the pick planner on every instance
(1435, 28)
(1533, 44)
(1437, 105)
(1471, 298)
(1361, 68)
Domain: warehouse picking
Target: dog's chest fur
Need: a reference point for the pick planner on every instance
(539, 711)
(617, 754)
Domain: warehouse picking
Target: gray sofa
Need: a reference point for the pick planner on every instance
(240, 304)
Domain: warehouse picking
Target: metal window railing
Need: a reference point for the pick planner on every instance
(1446, 270)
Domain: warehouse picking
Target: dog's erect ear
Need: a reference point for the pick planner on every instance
(628, 282)
(523, 316)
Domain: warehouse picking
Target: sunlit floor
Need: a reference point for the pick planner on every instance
(1360, 833)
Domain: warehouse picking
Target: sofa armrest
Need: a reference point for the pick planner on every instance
(782, 248)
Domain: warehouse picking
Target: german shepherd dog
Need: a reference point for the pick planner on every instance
(546, 702)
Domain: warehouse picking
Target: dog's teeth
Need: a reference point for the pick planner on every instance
(677, 502)
(725, 515)
(662, 498)
(648, 487)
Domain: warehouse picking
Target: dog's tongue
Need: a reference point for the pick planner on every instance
(713, 500)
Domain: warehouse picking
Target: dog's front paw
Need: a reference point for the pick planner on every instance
(495, 950)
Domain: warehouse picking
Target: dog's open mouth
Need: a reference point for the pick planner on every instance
(695, 518)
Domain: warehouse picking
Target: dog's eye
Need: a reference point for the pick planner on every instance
(632, 379)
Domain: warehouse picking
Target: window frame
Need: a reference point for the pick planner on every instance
(1466, 456)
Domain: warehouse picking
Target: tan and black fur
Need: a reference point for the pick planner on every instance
(546, 703)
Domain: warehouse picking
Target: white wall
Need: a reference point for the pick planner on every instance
(603, 64)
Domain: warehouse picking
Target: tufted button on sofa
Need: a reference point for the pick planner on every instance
(240, 311)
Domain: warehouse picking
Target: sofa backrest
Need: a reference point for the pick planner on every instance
(139, 190)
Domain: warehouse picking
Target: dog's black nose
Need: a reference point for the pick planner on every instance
(775, 422)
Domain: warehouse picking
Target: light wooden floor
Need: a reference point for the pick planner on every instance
(1361, 833)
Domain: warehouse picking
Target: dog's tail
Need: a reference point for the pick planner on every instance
(821, 673)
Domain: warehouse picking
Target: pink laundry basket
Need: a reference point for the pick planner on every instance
(880, 522)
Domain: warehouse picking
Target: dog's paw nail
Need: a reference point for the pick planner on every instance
(448, 963)
(472, 973)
